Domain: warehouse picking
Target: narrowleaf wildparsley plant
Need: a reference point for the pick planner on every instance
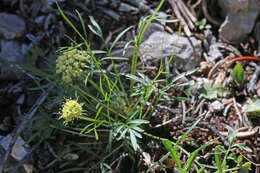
(110, 105)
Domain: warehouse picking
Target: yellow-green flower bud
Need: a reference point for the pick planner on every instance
(71, 110)
(70, 64)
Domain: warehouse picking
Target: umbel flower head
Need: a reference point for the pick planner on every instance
(71, 109)
(72, 64)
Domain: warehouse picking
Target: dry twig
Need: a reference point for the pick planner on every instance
(184, 15)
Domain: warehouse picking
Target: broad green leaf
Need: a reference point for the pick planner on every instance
(253, 108)
(247, 165)
(243, 170)
(238, 75)
(239, 159)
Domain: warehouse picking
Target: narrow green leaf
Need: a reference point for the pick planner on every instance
(188, 131)
(138, 121)
(110, 140)
(174, 152)
(137, 129)
(96, 134)
(82, 24)
(217, 158)
(97, 30)
(136, 133)
(193, 156)
(201, 170)
(118, 37)
(114, 58)
(133, 140)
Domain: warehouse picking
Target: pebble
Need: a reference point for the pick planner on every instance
(217, 106)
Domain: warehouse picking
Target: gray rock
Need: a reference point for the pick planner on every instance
(211, 46)
(240, 19)
(157, 44)
(153, 27)
(214, 52)
(11, 51)
(187, 51)
(257, 33)
(11, 26)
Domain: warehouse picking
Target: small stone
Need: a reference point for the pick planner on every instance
(70, 156)
(217, 106)
(28, 168)
(39, 20)
(11, 26)
(20, 100)
(18, 151)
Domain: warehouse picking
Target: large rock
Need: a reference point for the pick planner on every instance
(240, 19)
(187, 51)
(11, 26)
(11, 51)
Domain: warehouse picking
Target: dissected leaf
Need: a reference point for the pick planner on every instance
(253, 108)
(213, 91)
(231, 134)
(243, 146)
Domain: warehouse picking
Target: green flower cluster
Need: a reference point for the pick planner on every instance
(71, 109)
(72, 64)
